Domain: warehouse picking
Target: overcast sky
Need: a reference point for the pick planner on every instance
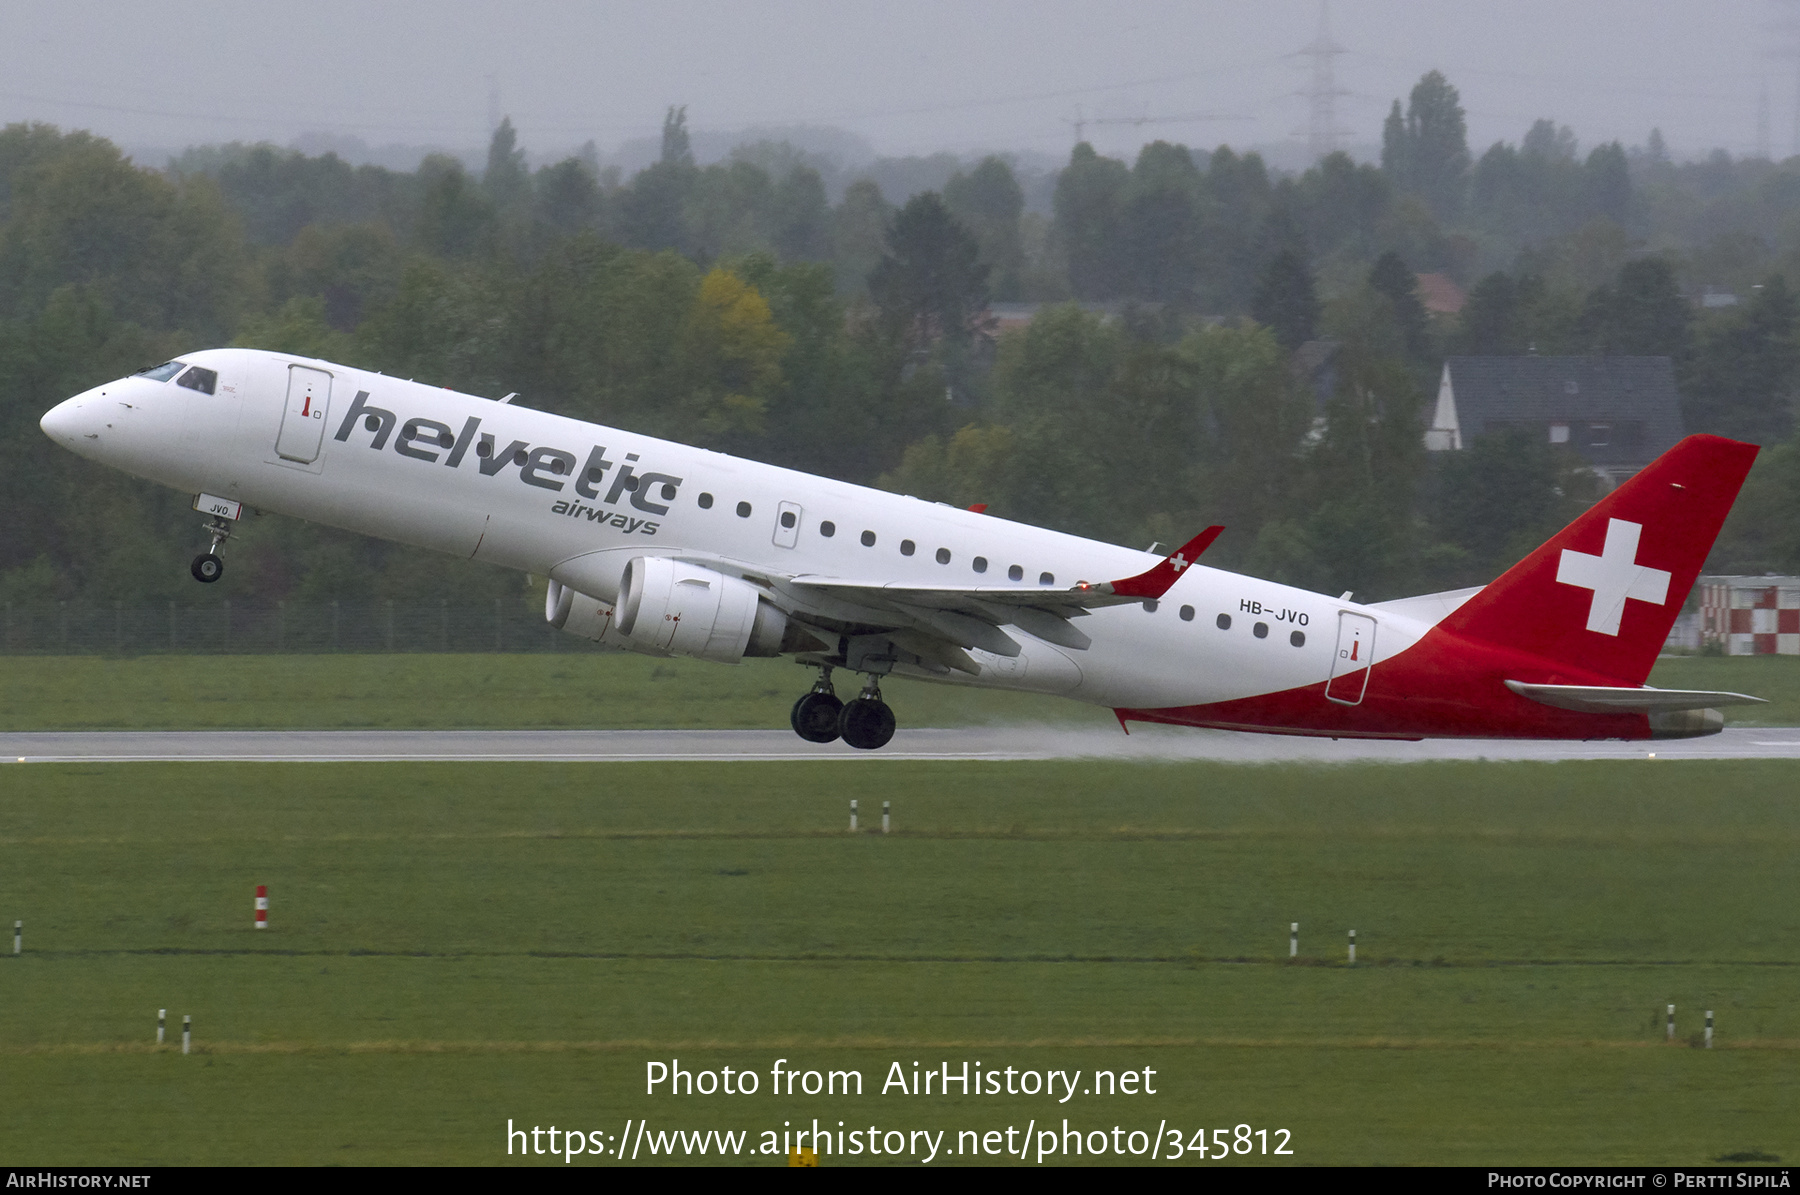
(911, 76)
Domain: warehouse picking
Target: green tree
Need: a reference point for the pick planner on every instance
(676, 149)
(1427, 152)
(1741, 382)
(930, 284)
(653, 209)
(800, 217)
(567, 198)
(1609, 183)
(1504, 494)
(506, 180)
(1392, 278)
(1233, 241)
(858, 235)
(1642, 315)
(989, 203)
(1089, 195)
(1287, 302)
(1159, 226)
(455, 219)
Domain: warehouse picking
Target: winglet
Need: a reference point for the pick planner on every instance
(1156, 582)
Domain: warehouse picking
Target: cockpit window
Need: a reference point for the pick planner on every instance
(199, 379)
(164, 372)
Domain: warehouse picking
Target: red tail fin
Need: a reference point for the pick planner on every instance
(1603, 593)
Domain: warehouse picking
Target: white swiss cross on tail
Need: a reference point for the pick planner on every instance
(1614, 576)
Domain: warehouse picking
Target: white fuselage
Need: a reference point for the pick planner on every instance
(404, 461)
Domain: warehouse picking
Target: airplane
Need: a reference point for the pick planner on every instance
(658, 547)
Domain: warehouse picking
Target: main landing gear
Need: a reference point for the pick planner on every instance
(209, 566)
(864, 723)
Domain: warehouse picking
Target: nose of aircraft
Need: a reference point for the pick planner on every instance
(70, 423)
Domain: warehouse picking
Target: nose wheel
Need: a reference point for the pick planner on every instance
(209, 566)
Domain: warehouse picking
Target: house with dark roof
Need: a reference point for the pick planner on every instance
(1617, 413)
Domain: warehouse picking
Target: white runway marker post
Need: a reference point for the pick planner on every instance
(1353, 948)
(262, 906)
(162, 1015)
(852, 815)
(885, 824)
(1709, 1028)
(1671, 1022)
(1294, 940)
(187, 1032)
(18, 937)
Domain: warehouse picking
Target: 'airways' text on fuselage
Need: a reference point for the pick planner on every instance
(545, 467)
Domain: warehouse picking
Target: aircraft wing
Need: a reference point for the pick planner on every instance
(971, 617)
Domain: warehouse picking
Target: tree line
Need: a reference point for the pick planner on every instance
(1159, 388)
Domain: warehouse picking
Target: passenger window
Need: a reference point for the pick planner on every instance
(1151, 605)
(743, 510)
(1260, 630)
(828, 528)
(705, 499)
(1298, 638)
(943, 555)
(907, 547)
(199, 379)
(1224, 622)
(1046, 579)
(164, 372)
(981, 564)
(868, 538)
(1187, 614)
(787, 518)
(1015, 573)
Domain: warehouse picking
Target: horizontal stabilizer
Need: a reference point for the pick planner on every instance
(1601, 699)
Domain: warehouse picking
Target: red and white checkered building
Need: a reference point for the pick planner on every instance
(1751, 616)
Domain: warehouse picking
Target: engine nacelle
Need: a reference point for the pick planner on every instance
(685, 610)
(584, 617)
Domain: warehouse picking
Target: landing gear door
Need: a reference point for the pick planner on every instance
(1350, 662)
(787, 525)
(303, 422)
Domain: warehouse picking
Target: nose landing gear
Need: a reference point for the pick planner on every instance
(209, 566)
(865, 722)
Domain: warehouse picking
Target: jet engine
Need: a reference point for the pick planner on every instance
(584, 617)
(668, 606)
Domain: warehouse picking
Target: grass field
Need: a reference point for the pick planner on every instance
(581, 690)
(454, 946)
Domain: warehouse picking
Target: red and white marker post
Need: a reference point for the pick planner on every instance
(262, 906)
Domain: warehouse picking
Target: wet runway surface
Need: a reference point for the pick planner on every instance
(971, 743)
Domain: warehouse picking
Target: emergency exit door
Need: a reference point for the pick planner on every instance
(1350, 662)
(303, 422)
(787, 525)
